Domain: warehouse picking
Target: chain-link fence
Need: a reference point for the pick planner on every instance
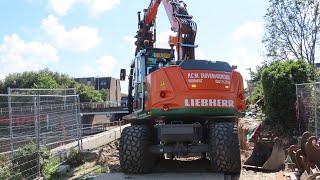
(308, 106)
(33, 124)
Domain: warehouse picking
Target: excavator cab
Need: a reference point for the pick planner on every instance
(146, 61)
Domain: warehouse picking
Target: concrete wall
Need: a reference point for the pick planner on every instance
(95, 119)
(109, 83)
(115, 90)
(91, 142)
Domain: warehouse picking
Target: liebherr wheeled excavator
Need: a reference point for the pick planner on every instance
(179, 106)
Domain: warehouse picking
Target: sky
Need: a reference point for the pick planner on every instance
(91, 38)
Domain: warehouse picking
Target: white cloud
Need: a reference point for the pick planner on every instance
(61, 7)
(244, 61)
(96, 7)
(75, 39)
(163, 39)
(249, 29)
(16, 55)
(130, 40)
(103, 66)
(202, 55)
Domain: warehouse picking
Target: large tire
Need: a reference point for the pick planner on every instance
(135, 156)
(224, 148)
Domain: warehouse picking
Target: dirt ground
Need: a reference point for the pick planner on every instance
(106, 160)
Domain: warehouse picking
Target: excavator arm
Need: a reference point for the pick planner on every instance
(181, 23)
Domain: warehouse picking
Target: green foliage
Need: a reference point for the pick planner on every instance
(49, 167)
(88, 94)
(41, 79)
(100, 170)
(292, 30)
(74, 158)
(104, 94)
(256, 94)
(46, 79)
(25, 162)
(1, 85)
(278, 81)
(4, 166)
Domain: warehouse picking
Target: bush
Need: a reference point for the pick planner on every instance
(4, 166)
(25, 163)
(88, 94)
(256, 94)
(49, 167)
(278, 81)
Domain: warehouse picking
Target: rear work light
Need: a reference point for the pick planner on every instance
(241, 97)
(162, 94)
(165, 107)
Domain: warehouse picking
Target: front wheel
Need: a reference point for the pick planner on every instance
(135, 156)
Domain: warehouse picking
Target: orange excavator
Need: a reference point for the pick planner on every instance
(179, 106)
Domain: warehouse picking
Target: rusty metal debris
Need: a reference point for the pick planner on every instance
(305, 155)
(268, 153)
(313, 174)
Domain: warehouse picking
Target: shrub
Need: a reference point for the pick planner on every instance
(278, 81)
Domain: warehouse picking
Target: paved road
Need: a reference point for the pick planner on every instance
(165, 176)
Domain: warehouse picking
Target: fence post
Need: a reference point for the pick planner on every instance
(36, 105)
(79, 124)
(315, 119)
(297, 100)
(10, 123)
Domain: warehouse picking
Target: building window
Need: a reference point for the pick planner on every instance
(89, 83)
(103, 83)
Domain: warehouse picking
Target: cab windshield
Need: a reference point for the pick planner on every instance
(151, 65)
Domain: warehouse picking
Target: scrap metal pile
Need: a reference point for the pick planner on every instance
(268, 153)
(305, 157)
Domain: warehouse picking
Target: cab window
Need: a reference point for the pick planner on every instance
(151, 65)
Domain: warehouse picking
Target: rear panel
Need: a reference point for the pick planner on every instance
(202, 89)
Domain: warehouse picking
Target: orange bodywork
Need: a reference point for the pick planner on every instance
(175, 88)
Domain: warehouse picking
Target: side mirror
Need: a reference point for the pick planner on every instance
(123, 75)
(234, 66)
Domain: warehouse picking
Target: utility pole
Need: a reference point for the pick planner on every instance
(249, 82)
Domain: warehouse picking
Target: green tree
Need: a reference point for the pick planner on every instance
(45, 81)
(104, 94)
(40, 79)
(278, 82)
(1, 86)
(88, 94)
(63, 80)
(291, 29)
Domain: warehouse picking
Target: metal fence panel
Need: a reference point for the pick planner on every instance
(308, 106)
(30, 123)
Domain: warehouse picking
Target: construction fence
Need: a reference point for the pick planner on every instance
(308, 106)
(36, 125)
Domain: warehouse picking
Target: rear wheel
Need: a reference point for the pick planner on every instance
(224, 148)
(135, 156)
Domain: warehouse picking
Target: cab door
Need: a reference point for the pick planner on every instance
(139, 74)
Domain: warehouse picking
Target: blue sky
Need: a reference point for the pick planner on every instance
(95, 37)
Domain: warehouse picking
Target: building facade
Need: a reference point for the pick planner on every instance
(99, 83)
